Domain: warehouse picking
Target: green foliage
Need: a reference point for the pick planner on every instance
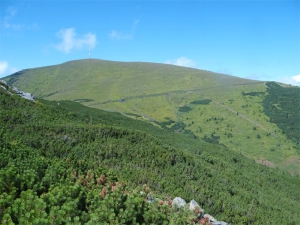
(50, 94)
(4, 85)
(76, 197)
(168, 122)
(54, 159)
(83, 100)
(15, 77)
(184, 109)
(178, 126)
(282, 105)
(254, 93)
(213, 139)
(201, 102)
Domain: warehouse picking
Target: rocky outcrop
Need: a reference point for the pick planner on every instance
(12, 90)
(204, 219)
(23, 94)
(200, 217)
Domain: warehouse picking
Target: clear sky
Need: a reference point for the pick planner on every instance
(251, 39)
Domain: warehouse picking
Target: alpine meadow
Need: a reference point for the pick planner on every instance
(107, 142)
(257, 119)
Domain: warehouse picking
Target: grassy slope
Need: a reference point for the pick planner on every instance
(155, 92)
(225, 183)
(106, 80)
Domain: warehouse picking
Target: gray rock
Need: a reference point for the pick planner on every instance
(178, 202)
(65, 138)
(28, 96)
(150, 200)
(194, 204)
(23, 94)
(3, 81)
(220, 223)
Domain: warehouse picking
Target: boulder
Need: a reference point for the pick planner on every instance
(194, 205)
(178, 202)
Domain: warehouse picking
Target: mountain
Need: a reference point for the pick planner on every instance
(257, 119)
(65, 163)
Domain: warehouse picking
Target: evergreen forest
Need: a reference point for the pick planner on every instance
(65, 163)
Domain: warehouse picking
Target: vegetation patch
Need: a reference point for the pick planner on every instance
(179, 126)
(168, 122)
(201, 102)
(213, 139)
(184, 109)
(253, 93)
(282, 105)
(48, 95)
(83, 100)
(133, 114)
(4, 85)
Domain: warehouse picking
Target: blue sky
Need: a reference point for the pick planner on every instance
(251, 39)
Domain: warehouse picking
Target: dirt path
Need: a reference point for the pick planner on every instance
(246, 118)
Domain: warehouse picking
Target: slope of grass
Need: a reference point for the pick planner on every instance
(106, 80)
(242, 125)
(159, 93)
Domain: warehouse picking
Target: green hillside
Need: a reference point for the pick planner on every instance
(233, 112)
(54, 157)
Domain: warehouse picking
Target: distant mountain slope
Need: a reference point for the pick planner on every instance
(102, 80)
(52, 156)
(217, 108)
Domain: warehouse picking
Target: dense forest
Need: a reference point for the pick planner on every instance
(63, 163)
